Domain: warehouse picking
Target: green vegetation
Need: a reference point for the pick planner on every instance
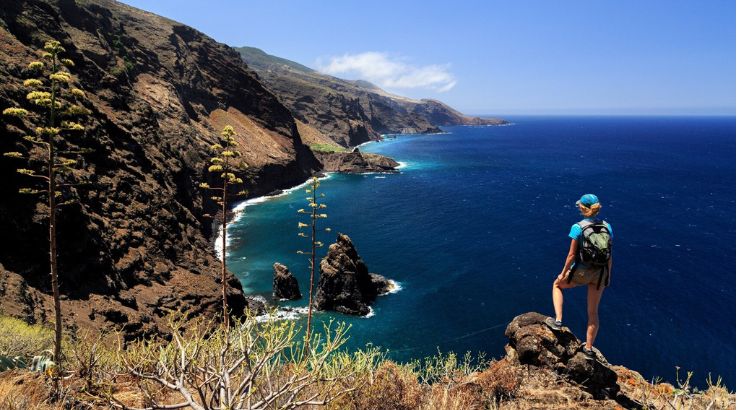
(256, 57)
(223, 167)
(57, 105)
(18, 338)
(327, 148)
(314, 214)
(263, 364)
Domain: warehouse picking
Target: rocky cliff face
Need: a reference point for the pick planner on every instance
(356, 162)
(349, 112)
(345, 285)
(136, 244)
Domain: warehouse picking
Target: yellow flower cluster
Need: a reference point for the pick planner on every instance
(15, 112)
(32, 82)
(53, 46)
(42, 98)
(72, 126)
(60, 76)
(47, 131)
(77, 92)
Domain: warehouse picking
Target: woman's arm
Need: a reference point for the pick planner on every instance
(570, 259)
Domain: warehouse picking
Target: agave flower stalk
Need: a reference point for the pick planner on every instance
(314, 213)
(223, 166)
(52, 97)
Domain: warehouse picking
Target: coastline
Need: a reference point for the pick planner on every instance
(238, 211)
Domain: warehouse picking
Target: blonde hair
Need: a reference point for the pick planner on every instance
(588, 212)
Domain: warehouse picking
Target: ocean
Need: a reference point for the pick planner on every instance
(474, 229)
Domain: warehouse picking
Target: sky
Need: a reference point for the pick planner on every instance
(627, 57)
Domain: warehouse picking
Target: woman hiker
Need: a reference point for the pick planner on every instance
(588, 263)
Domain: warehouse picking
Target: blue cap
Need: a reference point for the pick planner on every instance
(588, 200)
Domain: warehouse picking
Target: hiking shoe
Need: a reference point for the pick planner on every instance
(554, 324)
(590, 354)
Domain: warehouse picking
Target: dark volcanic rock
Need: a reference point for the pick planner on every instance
(159, 93)
(356, 162)
(256, 306)
(284, 284)
(532, 342)
(345, 284)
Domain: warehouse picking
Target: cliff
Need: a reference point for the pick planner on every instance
(356, 162)
(136, 243)
(349, 112)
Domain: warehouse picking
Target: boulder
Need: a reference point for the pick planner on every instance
(345, 285)
(532, 342)
(284, 284)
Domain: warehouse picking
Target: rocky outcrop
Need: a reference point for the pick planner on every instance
(356, 162)
(345, 285)
(284, 284)
(544, 369)
(349, 112)
(532, 342)
(136, 243)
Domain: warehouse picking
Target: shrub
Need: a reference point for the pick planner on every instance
(19, 339)
(256, 364)
(390, 387)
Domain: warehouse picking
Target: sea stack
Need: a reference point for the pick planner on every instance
(345, 285)
(284, 284)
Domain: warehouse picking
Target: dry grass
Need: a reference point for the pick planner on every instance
(95, 373)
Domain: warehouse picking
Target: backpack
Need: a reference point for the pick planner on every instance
(595, 247)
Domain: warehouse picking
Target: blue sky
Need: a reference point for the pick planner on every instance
(496, 57)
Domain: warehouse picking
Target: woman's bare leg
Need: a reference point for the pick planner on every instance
(594, 297)
(557, 295)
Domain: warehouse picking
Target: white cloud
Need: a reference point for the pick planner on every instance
(388, 72)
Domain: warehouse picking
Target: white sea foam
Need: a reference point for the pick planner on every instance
(395, 287)
(284, 313)
(364, 143)
(239, 208)
(380, 177)
(402, 164)
(371, 314)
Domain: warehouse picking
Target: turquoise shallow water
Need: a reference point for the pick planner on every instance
(475, 228)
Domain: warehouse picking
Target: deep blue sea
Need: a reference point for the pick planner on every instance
(475, 230)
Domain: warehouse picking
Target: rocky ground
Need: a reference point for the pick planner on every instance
(545, 369)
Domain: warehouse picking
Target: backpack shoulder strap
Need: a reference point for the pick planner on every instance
(585, 223)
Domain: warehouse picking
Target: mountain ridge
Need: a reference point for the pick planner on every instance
(349, 112)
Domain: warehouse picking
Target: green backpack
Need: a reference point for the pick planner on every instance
(595, 247)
